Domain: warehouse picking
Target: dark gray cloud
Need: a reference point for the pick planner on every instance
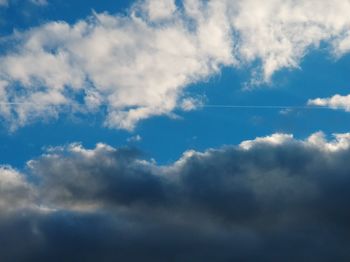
(270, 199)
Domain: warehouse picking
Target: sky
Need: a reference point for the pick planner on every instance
(163, 130)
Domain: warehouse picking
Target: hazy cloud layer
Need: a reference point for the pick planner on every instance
(270, 199)
(137, 65)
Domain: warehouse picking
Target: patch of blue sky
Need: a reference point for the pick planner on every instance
(23, 14)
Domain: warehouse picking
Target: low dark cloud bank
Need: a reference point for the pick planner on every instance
(271, 199)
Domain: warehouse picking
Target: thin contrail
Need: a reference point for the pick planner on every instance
(306, 107)
(266, 107)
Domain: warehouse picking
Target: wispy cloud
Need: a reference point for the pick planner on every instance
(35, 2)
(133, 139)
(39, 2)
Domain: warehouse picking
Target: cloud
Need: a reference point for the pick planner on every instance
(334, 102)
(35, 2)
(191, 103)
(159, 9)
(15, 191)
(135, 67)
(39, 2)
(136, 138)
(138, 65)
(271, 198)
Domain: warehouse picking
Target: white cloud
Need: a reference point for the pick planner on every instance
(334, 102)
(281, 32)
(340, 142)
(3, 3)
(317, 140)
(138, 65)
(159, 9)
(191, 103)
(133, 68)
(275, 139)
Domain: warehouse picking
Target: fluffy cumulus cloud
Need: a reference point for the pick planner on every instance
(136, 66)
(334, 102)
(274, 198)
(15, 191)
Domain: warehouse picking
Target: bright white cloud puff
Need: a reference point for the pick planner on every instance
(137, 66)
(335, 102)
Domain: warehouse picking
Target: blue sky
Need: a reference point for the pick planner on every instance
(174, 130)
(166, 138)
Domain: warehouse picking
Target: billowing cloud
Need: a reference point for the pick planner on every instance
(15, 192)
(335, 102)
(136, 66)
(272, 198)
